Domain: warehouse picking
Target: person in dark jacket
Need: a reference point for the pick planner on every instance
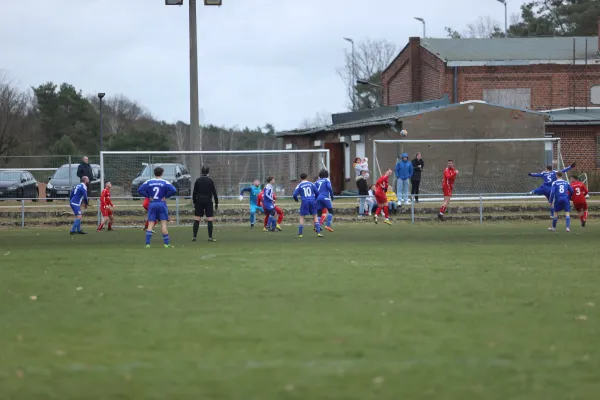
(363, 192)
(85, 169)
(415, 180)
(202, 197)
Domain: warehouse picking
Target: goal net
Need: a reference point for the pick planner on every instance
(486, 166)
(230, 170)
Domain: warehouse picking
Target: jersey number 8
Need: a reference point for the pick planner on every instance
(561, 189)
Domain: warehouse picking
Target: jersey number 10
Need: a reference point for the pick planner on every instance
(307, 192)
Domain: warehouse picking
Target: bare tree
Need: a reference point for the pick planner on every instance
(322, 118)
(484, 28)
(371, 57)
(14, 107)
(182, 138)
(120, 112)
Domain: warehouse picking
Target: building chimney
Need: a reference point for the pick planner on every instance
(414, 52)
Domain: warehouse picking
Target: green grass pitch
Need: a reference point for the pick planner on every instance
(432, 311)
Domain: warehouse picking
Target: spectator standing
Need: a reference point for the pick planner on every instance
(418, 165)
(85, 169)
(363, 192)
(361, 165)
(404, 171)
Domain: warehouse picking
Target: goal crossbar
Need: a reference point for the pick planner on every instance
(468, 140)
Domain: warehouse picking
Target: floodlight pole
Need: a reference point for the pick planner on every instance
(195, 131)
(421, 20)
(505, 17)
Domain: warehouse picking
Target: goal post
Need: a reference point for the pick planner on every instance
(126, 170)
(486, 166)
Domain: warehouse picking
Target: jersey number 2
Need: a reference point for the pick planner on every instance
(156, 190)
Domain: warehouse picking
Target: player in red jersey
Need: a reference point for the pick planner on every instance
(146, 205)
(381, 188)
(278, 210)
(447, 184)
(580, 191)
(106, 208)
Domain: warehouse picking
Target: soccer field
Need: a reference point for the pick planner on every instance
(431, 311)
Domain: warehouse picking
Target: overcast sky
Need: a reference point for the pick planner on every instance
(259, 60)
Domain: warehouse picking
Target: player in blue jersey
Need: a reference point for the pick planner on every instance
(549, 176)
(254, 191)
(269, 204)
(78, 196)
(308, 192)
(560, 200)
(324, 199)
(158, 191)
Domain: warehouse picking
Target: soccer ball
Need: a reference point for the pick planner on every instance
(403, 133)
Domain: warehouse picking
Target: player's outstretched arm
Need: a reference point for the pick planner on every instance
(536, 174)
(570, 167)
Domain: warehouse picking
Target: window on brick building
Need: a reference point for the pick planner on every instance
(595, 94)
(516, 98)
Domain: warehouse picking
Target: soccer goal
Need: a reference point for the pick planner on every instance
(487, 167)
(127, 170)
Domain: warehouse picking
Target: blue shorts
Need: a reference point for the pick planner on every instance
(562, 205)
(158, 211)
(325, 204)
(269, 209)
(76, 209)
(308, 208)
(254, 208)
(542, 190)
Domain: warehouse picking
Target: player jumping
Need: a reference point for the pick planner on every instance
(381, 196)
(254, 191)
(157, 190)
(447, 185)
(549, 176)
(308, 192)
(324, 199)
(560, 199)
(79, 195)
(580, 192)
(106, 208)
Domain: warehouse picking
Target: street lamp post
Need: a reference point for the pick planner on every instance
(195, 131)
(423, 22)
(101, 96)
(352, 89)
(505, 17)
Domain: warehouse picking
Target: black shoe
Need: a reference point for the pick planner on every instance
(212, 240)
(81, 233)
(582, 223)
(72, 233)
(251, 226)
(193, 239)
(441, 216)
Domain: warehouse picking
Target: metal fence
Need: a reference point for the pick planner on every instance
(130, 213)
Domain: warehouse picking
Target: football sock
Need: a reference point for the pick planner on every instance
(386, 211)
(267, 220)
(585, 215)
(280, 218)
(300, 229)
(148, 236)
(329, 219)
(568, 222)
(166, 238)
(443, 209)
(195, 228)
(210, 228)
(318, 227)
(273, 222)
(323, 217)
(109, 225)
(74, 227)
(252, 218)
(101, 226)
(78, 225)
(554, 221)
(146, 225)
(552, 212)
(378, 211)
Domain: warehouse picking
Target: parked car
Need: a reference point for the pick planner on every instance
(177, 174)
(60, 184)
(15, 184)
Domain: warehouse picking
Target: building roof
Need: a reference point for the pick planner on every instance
(514, 51)
(402, 111)
(574, 116)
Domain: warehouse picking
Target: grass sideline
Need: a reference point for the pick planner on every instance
(432, 311)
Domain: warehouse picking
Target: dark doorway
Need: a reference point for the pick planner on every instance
(336, 165)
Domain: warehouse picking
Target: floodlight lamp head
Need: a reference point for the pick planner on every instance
(419, 19)
(101, 95)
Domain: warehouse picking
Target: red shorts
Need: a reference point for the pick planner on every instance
(106, 212)
(447, 190)
(146, 204)
(380, 198)
(580, 205)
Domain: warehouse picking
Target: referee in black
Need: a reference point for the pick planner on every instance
(202, 197)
